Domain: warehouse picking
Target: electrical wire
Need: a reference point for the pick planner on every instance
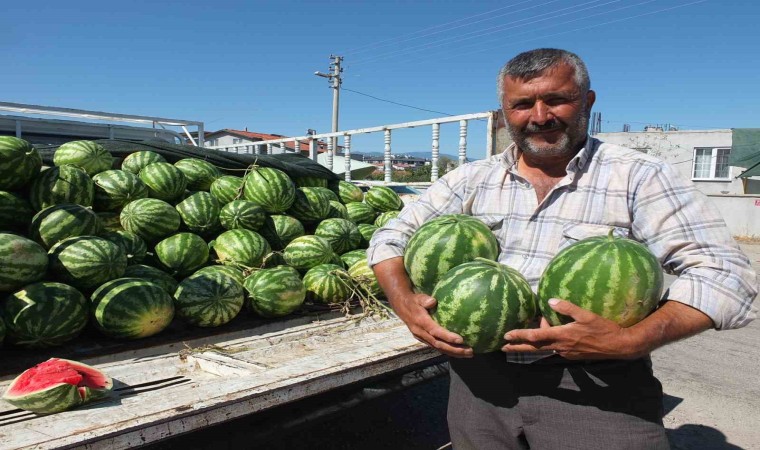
(395, 103)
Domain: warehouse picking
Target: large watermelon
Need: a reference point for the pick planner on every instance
(134, 246)
(22, 261)
(444, 243)
(86, 262)
(153, 274)
(305, 252)
(87, 155)
(134, 162)
(310, 205)
(337, 210)
(350, 193)
(280, 230)
(182, 253)
(385, 217)
(57, 385)
(364, 278)
(361, 213)
(274, 292)
(15, 212)
(328, 283)
(115, 188)
(343, 235)
(242, 214)
(482, 300)
(310, 182)
(200, 213)
(209, 298)
(616, 278)
(350, 258)
(130, 308)
(383, 199)
(19, 163)
(227, 188)
(200, 174)
(59, 185)
(44, 314)
(165, 182)
(367, 230)
(244, 249)
(56, 223)
(271, 188)
(150, 218)
(233, 272)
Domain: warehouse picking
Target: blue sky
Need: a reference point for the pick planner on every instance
(250, 64)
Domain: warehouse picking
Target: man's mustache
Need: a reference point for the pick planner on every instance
(548, 126)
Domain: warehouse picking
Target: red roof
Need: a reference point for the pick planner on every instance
(250, 135)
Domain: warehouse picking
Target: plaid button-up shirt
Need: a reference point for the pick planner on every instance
(606, 187)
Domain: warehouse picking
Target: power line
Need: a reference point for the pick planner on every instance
(395, 103)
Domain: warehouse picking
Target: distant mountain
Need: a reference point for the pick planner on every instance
(425, 155)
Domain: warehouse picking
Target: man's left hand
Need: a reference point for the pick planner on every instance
(589, 337)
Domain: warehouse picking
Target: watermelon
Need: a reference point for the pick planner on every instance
(15, 212)
(115, 188)
(55, 223)
(22, 261)
(361, 213)
(227, 188)
(152, 274)
(444, 243)
(57, 385)
(350, 258)
(271, 188)
(150, 218)
(383, 199)
(350, 193)
(343, 235)
(242, 214)
(209, 299)
(110, 220)
(367, 230)
(86, 155)
(200, 213)
(131, 308)
(305, 252)
(310, 205)
(244, 249)
(200, 174)
(44, 314)
(332, 196)
(482, 300)
(134, 162)
(280, 230)
(337, 210)
(364, 278)
(310, 182)
(274, 292)
(616, 278)
(86, 262)
(59, 185)
(164, 181)
(19, 163)
(182, 253)
(385, 217)
(236, 274)
(134, 246)
(328, 283)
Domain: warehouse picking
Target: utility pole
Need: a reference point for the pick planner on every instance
(335, 81)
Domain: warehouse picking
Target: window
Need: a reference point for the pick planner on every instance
(237, 141)
(711, 164)
(212, 142)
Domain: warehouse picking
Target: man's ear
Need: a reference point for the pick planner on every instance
(590, 99)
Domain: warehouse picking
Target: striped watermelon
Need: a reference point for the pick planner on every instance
(385, 217)
(350, 193)
(209, 299)
(59, 222)
(130, 308)
(15, 212)
(182, 253)
(242, 214)
(200, 174)
(86, 262)
(150, 218)
(270, 188)
(444, 243)
(19, 163)
(328, 283)
(22, 261)
(310, 205)
(310, 182)
(350, 258)
(616, 278)
(110, 220)
(134, 162)
(244, 249)
(236, 274)
(132, 245)
(361, 213)
(383, 199)
(343, 235)
(57, 385)
(115, 188)
(44, 314)
(154, 275)
(227, 188)
(364, 277)
(332, 196)
(200, 213)
(337, 210)
(86, 155)
(59, 185)
(280, 230)
(367, 230)
(274, 292)
(164, 181)
(482, 300)
(305, 252)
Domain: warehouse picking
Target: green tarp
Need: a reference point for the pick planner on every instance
(745, 151)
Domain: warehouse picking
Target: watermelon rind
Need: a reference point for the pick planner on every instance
(337, 210)
(22, 261)
(152, 274)
(200, 174)
(310, 205)
(209, 298)
(280, 230)
(364, 278)
(308, 251)
(310, 182)
(242, 214)
(58, 222)
(350, 193)
(383, 219)
(235, 273)
(350, 258)
(86, 155)
(134, 246)
(274, 292)
(15, 212)
(383, 199)
(227, 188)
(150, 218)
(361, 213)
(115, 188)
(182, 254)
(328, 283)
(269, 187)
(134, 162)
(59, 185)
(367, 230)
(165, 182)
(86, 262)
(131, 308)
(200, 213)
(19, 163)
(342, 234)
(244, 249)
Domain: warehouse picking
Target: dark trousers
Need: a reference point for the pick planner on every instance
(554, 404)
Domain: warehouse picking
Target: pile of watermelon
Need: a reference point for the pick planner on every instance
(127, 246)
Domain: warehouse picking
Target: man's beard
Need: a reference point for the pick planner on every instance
(568, 144)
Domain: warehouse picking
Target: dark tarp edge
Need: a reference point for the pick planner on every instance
(745, 150)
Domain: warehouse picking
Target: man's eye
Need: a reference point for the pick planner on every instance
(556, 101)
(521, 106)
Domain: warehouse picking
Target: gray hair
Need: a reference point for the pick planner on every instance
(530, 64)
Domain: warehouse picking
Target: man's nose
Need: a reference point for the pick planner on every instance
(540, 113)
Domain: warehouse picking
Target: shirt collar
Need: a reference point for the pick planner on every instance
(581, 159)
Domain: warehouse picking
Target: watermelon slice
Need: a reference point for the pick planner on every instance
(57, 385)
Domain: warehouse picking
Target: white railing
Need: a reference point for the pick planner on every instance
(387, 130)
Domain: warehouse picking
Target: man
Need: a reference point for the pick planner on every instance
(587, 384)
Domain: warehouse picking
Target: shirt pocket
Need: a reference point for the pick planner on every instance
(574, 232)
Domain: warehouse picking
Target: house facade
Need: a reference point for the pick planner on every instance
(228, 138)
